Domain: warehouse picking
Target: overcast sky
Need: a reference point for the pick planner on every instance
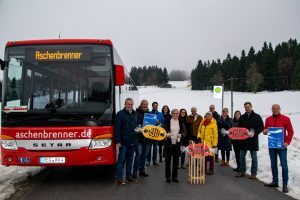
(168, 33)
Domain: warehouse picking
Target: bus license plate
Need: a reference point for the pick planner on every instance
(52, 160)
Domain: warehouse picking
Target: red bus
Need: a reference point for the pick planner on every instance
(59, 102)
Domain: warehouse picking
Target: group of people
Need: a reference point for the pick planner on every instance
(183, 129)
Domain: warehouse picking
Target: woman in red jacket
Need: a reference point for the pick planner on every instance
(279, 120)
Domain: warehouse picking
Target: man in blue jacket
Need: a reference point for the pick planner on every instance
(126, 140)
(159, 122)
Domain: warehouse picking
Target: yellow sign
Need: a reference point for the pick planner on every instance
(154, 132)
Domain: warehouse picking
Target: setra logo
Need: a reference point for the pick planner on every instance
(51, 144)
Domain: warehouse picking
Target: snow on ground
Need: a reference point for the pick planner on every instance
(12, 175)
(180, 96)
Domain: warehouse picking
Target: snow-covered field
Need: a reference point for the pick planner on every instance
(182, 97)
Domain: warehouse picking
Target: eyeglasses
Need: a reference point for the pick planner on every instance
(175, 113)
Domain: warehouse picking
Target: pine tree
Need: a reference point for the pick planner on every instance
(165, 76)
(296, 76)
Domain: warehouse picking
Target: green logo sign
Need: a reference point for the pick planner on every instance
(218, 89)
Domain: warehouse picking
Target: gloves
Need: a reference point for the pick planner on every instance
(224, 132)
(138, 129)
(251, 133)
(215, 149)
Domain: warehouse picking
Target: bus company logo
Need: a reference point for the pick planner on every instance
(48, 134)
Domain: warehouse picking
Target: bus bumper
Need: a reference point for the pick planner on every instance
(81, 157)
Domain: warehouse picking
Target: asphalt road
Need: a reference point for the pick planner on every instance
(99, 183)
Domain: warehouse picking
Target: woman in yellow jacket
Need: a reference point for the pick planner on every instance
(208, 134)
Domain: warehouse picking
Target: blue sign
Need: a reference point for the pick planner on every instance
(275, 138)
(150, 119)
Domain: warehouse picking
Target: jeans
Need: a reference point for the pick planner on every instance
(154, 156)
(243, 154)
(283, 160)
(126, 153)
(141, 151)
(237, 150)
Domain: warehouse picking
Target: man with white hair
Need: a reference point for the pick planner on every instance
(194, 120)
(282, 121)
(126, 140)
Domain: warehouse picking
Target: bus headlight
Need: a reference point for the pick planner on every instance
(8, 142)
(100, 143)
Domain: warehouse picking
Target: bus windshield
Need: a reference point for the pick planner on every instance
(58, 80)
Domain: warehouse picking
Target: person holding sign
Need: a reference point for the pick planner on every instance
(208, 135)
(159, 122)
(224, 143)
(175, 130)
(283, 122)
(143, 147)
(254, 123)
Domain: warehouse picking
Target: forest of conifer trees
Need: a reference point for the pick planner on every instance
(270, 68)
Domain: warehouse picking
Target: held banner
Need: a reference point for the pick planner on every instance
(149, 119)
(275, 138)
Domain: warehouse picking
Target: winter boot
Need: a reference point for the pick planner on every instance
(223, 163)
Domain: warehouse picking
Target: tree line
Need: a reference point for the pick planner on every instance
(149, 75)
(272, 69)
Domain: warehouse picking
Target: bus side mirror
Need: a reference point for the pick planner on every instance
(120, 75)
(2, 64)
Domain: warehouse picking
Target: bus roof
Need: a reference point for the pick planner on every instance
(58, 41)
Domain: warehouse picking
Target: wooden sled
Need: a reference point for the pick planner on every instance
(197, 168)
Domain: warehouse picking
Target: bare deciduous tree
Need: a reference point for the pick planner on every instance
(254, 78)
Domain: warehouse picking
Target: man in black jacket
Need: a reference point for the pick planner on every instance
(254, 123)
(126, 140)
(143, 147)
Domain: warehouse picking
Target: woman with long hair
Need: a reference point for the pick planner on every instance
(235, 143)
(183, 118)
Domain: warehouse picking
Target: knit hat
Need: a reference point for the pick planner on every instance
(208, 113)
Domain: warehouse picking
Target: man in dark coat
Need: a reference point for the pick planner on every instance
(254, 123)
(215, 114)
(126, 140)
(143, 147)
